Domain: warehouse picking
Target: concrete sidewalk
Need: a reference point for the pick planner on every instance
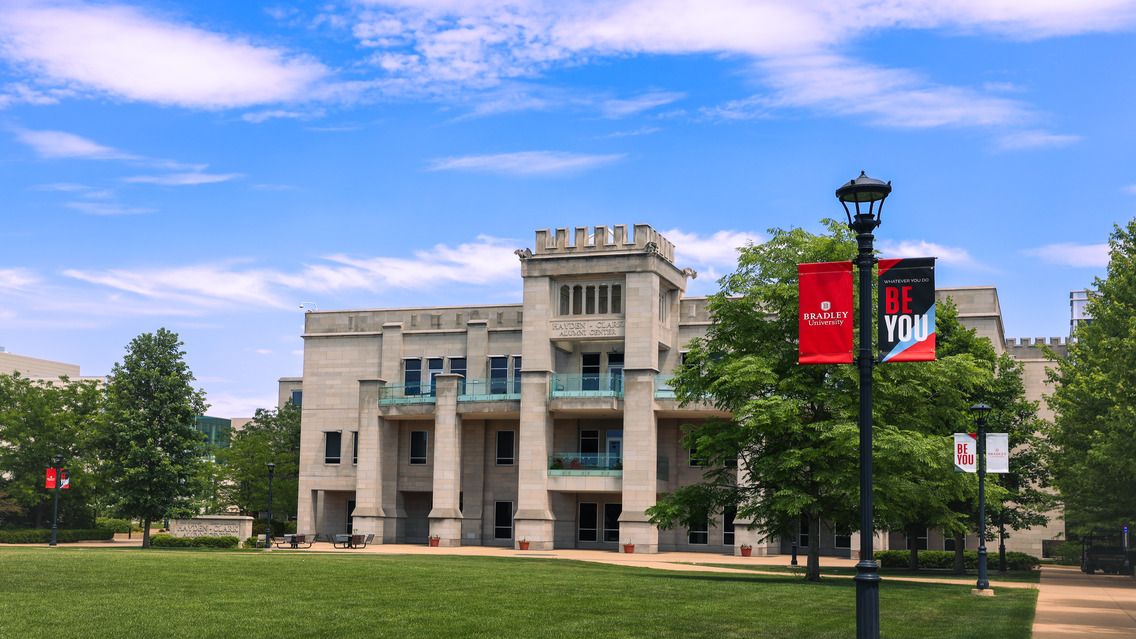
(1072, 604)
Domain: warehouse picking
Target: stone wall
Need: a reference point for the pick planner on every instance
(212, 526)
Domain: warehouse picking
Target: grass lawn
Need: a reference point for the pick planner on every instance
(184, 593)
(1020, 576)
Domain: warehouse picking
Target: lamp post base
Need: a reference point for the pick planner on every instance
(867, 599)
(982, 592)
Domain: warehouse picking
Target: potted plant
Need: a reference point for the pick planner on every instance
(628, 547)
(523, 544)
(435, 541)
(747, 550)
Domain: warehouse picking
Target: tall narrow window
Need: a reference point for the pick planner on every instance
(590, 300)
(699, 533)
(412, 376)
(332, 445)
(354, 447)
(503, 520)
(498, 375)
(615, 371)
(517, 374)
(611, 521)
(457, 367)
(589, 522)
(729, 513)
(603, 299)
(616, 298)
(844, 540)
(589, 443)
(506, 447)
(590, 371)
(577, 299)
(418, 447)
(565, 299)
(435, 369)
(298, 398)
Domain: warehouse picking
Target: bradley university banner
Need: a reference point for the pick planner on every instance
(825, 313)
(907, 309)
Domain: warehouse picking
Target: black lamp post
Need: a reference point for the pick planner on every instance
(268, 528)
(58, 460)
(860, 191)
(980, 411)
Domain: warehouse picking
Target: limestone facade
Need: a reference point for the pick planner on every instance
(550, 421)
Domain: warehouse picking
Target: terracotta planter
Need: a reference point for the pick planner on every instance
(628, 548)
(524, 545)
(747, 551)
(434, 542)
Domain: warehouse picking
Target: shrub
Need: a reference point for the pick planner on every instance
(945, 560)
(278, 527)
(117, 525)
(1022, 561)
(1067, 553)
(169, 541)
(43, 535)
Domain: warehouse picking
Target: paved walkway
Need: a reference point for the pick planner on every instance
(1072, 604)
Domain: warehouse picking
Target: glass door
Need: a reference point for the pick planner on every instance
(615, 449)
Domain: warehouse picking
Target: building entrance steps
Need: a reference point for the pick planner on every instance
(1073, 604)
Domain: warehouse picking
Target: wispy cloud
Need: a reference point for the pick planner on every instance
(124, 52)
(182, 179)
(259, 117)
(1068, 254)
(17, 278)
(107, 208)
(719, 249)
(1131, 188)
(643, 130)
(952, 255)
(54, 145)
(1035, 139)
(526, 163)
(621, 108)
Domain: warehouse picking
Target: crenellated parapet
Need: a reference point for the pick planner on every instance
(1033, 347)
(586, 240)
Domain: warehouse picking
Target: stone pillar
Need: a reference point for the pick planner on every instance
(445, 517)
(368, 516)
(533, 520)
(477, 350)
(305, 507)
(390, 366)
(473, 478)
(640, 460)
(387, 433)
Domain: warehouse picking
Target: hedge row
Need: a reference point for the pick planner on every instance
(117, 525)
(945, 560)
(169, 541)
(43, 535)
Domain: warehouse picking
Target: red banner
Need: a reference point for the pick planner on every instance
(64, 479)
(907, 309)
(50, 478)
(825, 313)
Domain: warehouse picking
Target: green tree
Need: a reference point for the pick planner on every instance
(271, 436)
(1094, 436)
(39, 420)
(152, 452)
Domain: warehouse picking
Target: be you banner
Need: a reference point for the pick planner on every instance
(997, 452)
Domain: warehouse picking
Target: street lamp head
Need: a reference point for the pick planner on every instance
(58, 459)
(980, 409)
(271, 468)
(864, 190)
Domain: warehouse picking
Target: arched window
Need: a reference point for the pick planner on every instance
(565, 299)
(616, 298)
(577, 299)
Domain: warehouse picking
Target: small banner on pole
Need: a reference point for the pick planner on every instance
(825, 313)
(64, 479)
(997, 453)
(907, 309)
(50, 483)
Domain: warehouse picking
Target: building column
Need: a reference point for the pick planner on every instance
(305, 508)
(533, 520)
(640, 461)
(445, 517)
(368, 516)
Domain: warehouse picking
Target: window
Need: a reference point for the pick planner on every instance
(354, 447)
(615, 371)
(506, 445)
(920, 541)
(949, 543)
(590, 299)
(298, 398)
(700, 533)
(457, 367)
(434, 365)
(350, 516)
(728, 516)
(616, 301)
(603, 299)
(412, 376)
(332, 443)
(503, 520)
(498, 375)
(590, 368)
(693, 460)
(418, 440)
(611, 521)
(843, 540)
(577, 299)
(664, 306)
(589, 522)
(565, 299)
(803, 532)
(517, 374)
(589, 442)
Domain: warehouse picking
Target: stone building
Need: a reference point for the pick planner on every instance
(550, 421)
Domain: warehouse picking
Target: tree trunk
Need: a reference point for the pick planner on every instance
(145, 532)
(913, 549)
(960, 557)
(813, 571)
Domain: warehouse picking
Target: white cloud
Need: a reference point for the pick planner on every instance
(717, 250)
(259, 117)
(952, 255)
(55, 145)
(526, 162)
(17, 278)
(1068, 254)
(263, 351)
(192, 178)
(233, 405)
(621, 108)
(107, 208)
(123, 52)
(1131, 188)
(1034, 139)
(643, 130)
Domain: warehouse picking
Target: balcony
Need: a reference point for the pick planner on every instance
(398, 394)
(663, 388)
(577, 464)
(586, 385)
(488, 390)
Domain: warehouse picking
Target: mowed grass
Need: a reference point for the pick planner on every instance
(1015, 576)
(176, 593)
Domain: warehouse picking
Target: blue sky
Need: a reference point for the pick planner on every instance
(208, 166)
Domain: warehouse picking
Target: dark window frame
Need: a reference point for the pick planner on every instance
(423, 459)
(512, 458)
(328, 435)
(498, 527)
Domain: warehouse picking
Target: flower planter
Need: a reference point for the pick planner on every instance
(747, 551)
(628, 548)
(524, 545)
(435, 542)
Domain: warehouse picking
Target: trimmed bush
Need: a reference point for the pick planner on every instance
(945, 560)
(43, 535)
(278, 527)
(256, 541)
(1067, 553)
(117, 525)
(1022, 561)
(169, 541)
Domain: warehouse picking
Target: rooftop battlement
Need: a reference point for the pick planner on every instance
(603, 239)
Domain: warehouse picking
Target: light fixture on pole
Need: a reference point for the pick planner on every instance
(868, 191)
(58, 461)
(980, 411)
(268, 528)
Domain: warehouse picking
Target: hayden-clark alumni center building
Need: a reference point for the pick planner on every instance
(550, 421)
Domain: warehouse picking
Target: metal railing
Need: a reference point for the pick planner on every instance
(586, 385)
(406, 394)
(584, 461)
(663, 388)
(488, 390)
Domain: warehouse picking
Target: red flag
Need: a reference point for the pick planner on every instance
(825, 313)
(50, 478)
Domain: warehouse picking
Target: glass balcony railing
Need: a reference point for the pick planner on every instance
(406, 394)
(663, 388)
(603, 464)
(488, 390)
(587, 385)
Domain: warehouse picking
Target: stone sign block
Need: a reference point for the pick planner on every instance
(212, 526)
